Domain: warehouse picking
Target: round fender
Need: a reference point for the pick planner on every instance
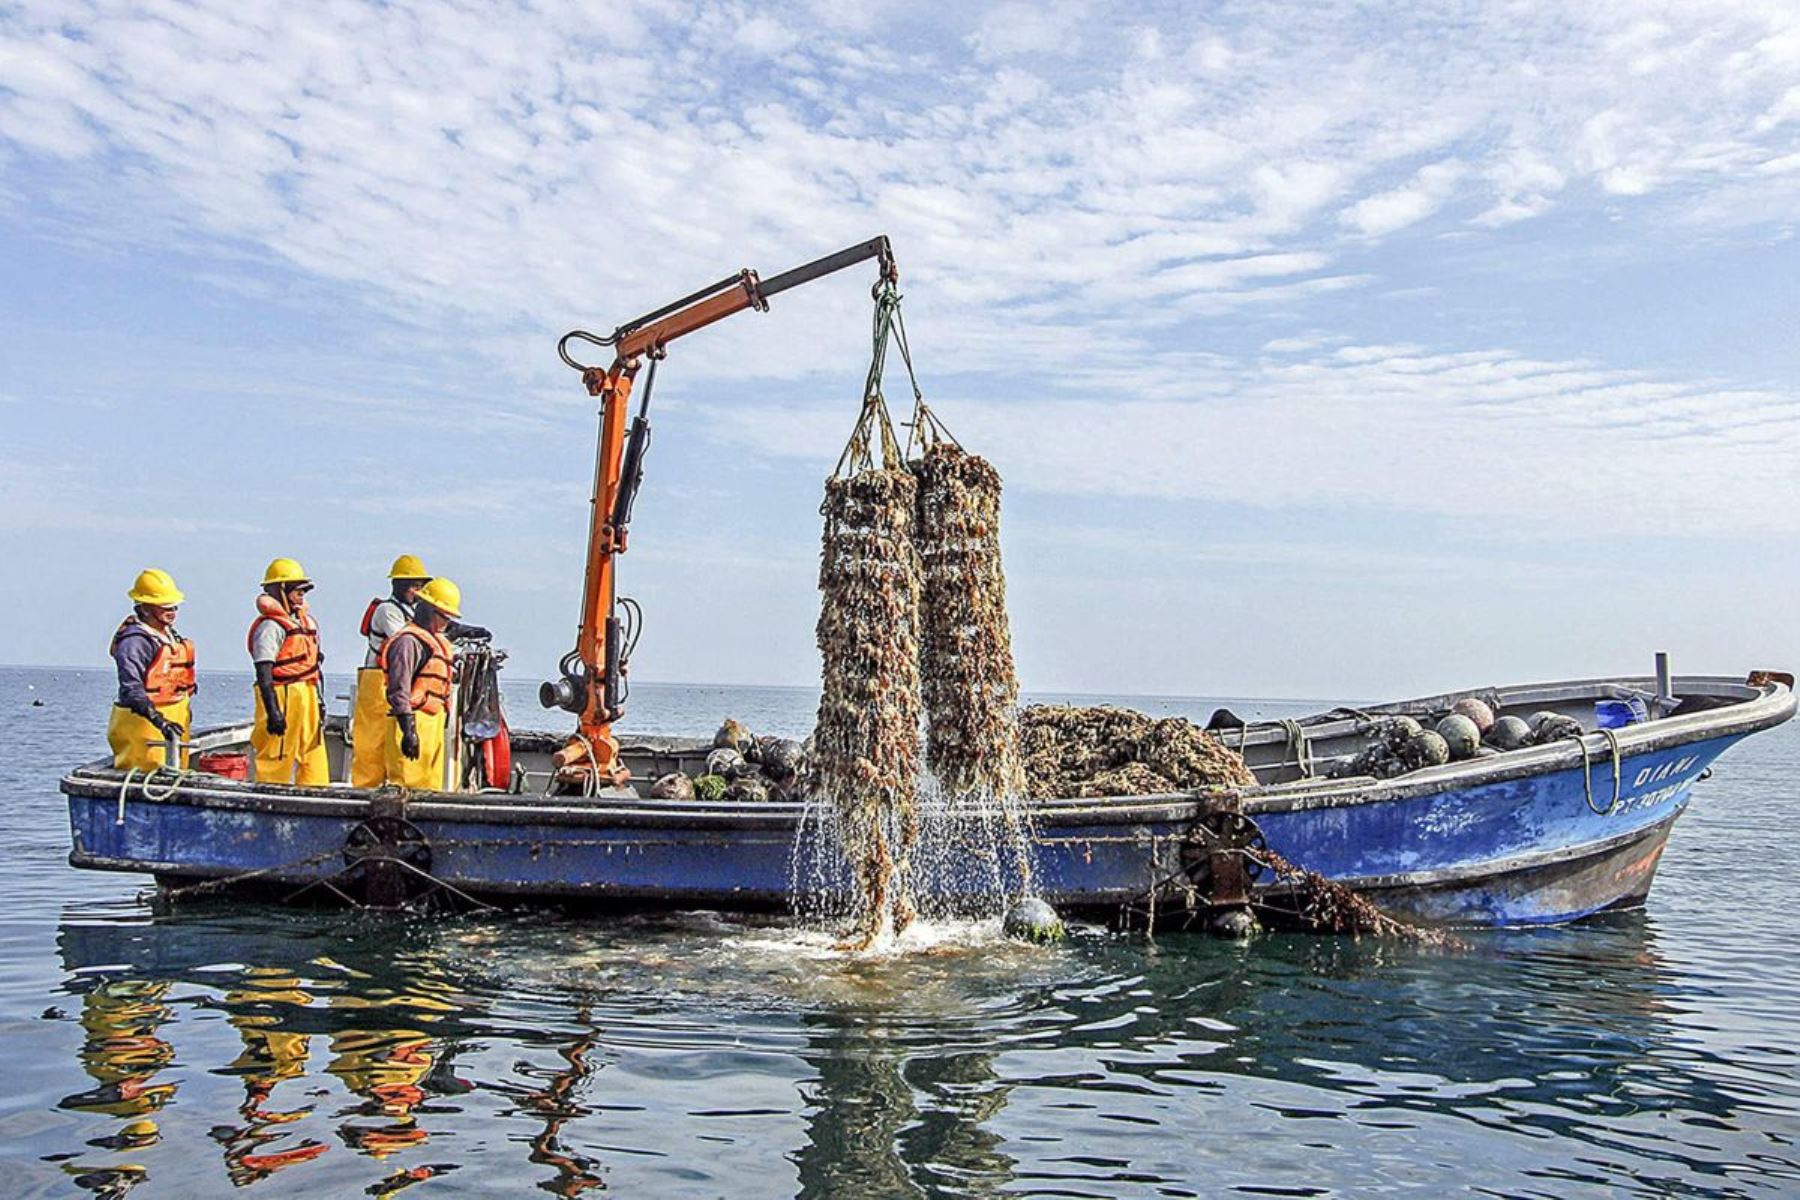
(496, 758)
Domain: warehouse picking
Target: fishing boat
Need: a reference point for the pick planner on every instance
(1541, 834)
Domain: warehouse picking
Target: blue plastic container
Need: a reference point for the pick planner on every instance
(1616, 714)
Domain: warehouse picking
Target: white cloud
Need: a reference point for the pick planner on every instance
(522, 168)
(1072, 193)
(1543, 448)
(1015, 28)
(1386, 212)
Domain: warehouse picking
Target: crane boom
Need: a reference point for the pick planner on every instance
(592, 682)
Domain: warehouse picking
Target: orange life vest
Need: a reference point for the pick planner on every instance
(170, 676)
(368, 621)
(298, 659)
(431, 682)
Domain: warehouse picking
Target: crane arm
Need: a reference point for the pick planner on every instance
(592, 682)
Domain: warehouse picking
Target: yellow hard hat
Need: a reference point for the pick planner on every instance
(155, 587)
(444, 596)
(285, 570)
(408, 566)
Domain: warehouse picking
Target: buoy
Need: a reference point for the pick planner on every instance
(1476, 710)
(1235, 923)
(1461, 734)
(1508, 733)
(747, 789)
(726, 763)
(673, 786)
(1397, 731)
(781, 757)
(732, 735)
(1032, 920)
(1554, 728)
(1427, 748)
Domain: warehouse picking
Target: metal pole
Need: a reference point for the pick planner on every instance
(1665, 691)
(452, 738)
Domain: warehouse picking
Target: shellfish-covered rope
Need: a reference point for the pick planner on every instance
(223, 882)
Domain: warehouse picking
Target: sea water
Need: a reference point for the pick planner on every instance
(230, 1046)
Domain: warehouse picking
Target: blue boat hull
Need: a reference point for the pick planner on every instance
(1526, 850)
(1529, 844)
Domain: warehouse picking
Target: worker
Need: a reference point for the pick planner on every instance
(417, 664)
(156, 677)
(386, 616)
(288, 734)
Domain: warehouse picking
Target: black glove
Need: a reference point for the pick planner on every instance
(409, 736)
(166, 727)
(274, 720)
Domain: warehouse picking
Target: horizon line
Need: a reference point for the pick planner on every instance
(782, 687)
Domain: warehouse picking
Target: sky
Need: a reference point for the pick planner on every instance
(1327, 350)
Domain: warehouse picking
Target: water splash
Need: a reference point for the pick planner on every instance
(969, 858)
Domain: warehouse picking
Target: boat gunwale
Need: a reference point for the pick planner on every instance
(1760, 708)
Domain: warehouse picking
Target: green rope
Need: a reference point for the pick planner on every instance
(874, 430)
(1298, 746)
(1587, 771)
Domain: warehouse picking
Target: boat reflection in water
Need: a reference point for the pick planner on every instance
(883, 1121)
(366, 1054)
(271, 1054)
(123, 1053)
(554, 1104)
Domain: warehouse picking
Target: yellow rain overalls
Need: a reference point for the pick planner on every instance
(369, 713)
(169, 682)
(429, 698)
(298, 755)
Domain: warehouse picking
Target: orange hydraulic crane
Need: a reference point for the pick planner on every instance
(593, 675)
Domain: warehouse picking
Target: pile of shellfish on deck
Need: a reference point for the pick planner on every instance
(1065, 752)
(1470, 729)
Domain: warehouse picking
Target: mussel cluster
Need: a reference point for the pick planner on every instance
(1330, 907)
(740, 767)
(970, 689)
(1070, 751)
(866, 742)
(1470, 729)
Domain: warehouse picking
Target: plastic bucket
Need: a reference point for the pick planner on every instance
(228, 764)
